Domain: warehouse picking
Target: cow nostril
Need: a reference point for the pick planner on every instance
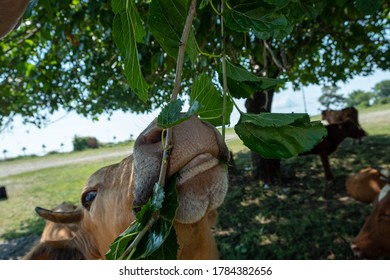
(153, 136)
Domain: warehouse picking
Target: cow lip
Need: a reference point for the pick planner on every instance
(196, 166)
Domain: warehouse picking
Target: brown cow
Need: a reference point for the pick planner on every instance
(11, 12)
(365, 185)
(336, 133)
(337, 116)
(198, 158)
(373, 240)
(58, 231)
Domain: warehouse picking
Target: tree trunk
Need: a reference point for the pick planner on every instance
(267, 170)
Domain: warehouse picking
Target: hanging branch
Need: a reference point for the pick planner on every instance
(274, 58)
(286, 65)
(225, 88)
(168, 138)
(176, 88)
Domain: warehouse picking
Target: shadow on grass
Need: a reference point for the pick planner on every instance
(19, 242)
(295, 219)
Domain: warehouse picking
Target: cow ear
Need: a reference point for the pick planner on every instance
(55, 250)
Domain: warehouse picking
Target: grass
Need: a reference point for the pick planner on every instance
(302, 217)
(46, 188)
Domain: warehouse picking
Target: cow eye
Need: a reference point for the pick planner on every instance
(88, 198)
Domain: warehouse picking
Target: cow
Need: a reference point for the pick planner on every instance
(336, 133)
(365, 185)
(198, 159)
(373, 240)
(58, 231)
(337, 116)
(11, 13)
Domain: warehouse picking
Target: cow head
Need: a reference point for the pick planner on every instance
(366, 184)
(55, 230)
(352, 129)
(373, 240)
(113, 193)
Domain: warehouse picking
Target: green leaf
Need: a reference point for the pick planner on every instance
(239, 73)
(127, 31)
(171, 114)
(242, 83)
(203, 4)
(263, 19)
(118, 247)
(279, 136)
(211, 100)
(368, 7)
(168, 250)
(160, 241)
(166, 20)
(153, 244)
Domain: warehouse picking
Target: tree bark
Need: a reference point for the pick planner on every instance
(267, 170)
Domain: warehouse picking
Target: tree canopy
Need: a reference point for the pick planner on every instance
(64, 56)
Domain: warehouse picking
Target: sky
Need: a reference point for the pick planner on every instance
(121, 126)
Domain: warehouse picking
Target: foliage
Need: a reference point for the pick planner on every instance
(359, 98)
(64, 56)
(146, 238)
(382, 92)
(279, 135)
(83, 143)
(331, 96)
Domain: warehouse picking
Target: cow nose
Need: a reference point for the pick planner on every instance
(356, 250)
(152, 136)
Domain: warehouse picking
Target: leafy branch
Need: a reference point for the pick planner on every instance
(271, 135)
(153, 210)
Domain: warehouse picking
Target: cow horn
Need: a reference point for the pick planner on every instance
(60, 217)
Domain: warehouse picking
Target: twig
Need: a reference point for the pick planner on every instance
(274, 58)
(283, 56)
(182, 49)
(224, 78)
(176, 88)
(139, 236)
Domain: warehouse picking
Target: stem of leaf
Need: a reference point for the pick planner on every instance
(176, 88)
(224, 77)
(215, 9)
(137, 239)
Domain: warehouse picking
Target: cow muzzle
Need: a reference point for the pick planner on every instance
(202, 186)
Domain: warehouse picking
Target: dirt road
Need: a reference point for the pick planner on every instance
(16, 167)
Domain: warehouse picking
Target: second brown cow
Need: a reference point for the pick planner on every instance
(338, 116)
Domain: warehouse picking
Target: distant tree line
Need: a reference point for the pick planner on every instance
(380, 94)
(83, 143)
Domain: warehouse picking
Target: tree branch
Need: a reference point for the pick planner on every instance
(177, 87)
(168, 139)
(274, 58)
